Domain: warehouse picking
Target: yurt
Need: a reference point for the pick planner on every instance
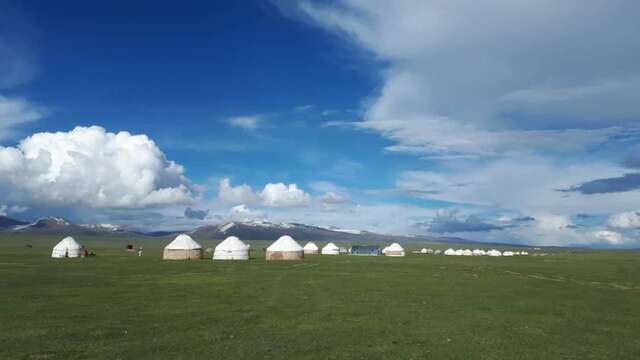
(183, 247)
(494, 252)
(330, 249)
(310, 248)
(384, 250)
(67, 248)
(477, 252)
(394, 250)
(467, 252)
(285, 248)
(437, 252)
(423, 251)
(450, 252)
(524, 253)
(459, 252)
(507, 253)
(231, 248)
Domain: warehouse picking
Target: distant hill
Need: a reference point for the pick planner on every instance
(247, 230)
(8, 223)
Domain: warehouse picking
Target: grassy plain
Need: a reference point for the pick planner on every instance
(568, 305)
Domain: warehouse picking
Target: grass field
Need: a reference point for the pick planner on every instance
(568, 305)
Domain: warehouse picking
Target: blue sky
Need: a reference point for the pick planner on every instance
(412, 117)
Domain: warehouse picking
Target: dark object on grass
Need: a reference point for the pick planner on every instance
(369, 250)
(28, 246)
(130, 248)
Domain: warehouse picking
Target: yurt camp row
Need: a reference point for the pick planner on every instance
(183, 247)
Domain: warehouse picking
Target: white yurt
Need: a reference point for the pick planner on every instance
(467, 252)
(67, 248)
(183, 247)
(437, 252)
(330, 249)
(423, 251)
(231, 248)
(477, 252)
(494, 252)
(459, 252)
(524, 253)
(384, 250)
(285, 248)
(507, 253)
(450, 252)
(394, 250)
(310, 248)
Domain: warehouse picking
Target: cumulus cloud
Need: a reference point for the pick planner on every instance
(281, 195)
(16, 111)
(241, 194)
(625, 220)
(91, 167)
(190, 213)
(333, 198)
(610, 237)
(243, 213)
(245, 122)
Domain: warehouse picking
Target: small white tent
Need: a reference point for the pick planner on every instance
(330, 249)
(450, 252)
(183, 247)
(467, 252)
(494, 252)
(459, 252)
(423, 251)
(310, 248)
(285, 248)
(507, 253)
(231, 248)
(477, 252)
(394, 250)
(437, 252)
(68, 247)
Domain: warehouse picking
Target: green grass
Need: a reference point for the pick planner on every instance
(568, 305)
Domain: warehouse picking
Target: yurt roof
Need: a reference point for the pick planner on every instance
(285, 243)
(395, 247)
(183, 242)
(232, 243)
(330, 246)
(68, 243)
(311, 246)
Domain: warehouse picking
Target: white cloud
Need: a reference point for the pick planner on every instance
(625, 220)
(610, 237)
(245, 122)
(241, 194)
(333, 198)
(91, 167)
(6, 210)
(281, 195)
(16, 111)
(526, 184)
(461, 75)
(243, 213)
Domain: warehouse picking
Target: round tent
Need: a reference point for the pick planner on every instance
(183, 247)
(68, 247)
(394, 250)
(231, 248)
(507, 253)
(450, 252)
(310, 248)
(285, 248)
(494, 252)
(478, 252)
(459, 252)
(423, 251)
(467, 252)
(330, 249)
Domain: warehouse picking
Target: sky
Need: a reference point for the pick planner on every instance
(510, 121)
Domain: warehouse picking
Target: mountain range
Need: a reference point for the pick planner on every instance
(258, 230)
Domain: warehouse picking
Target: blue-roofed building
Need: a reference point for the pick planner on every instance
(368, 250)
